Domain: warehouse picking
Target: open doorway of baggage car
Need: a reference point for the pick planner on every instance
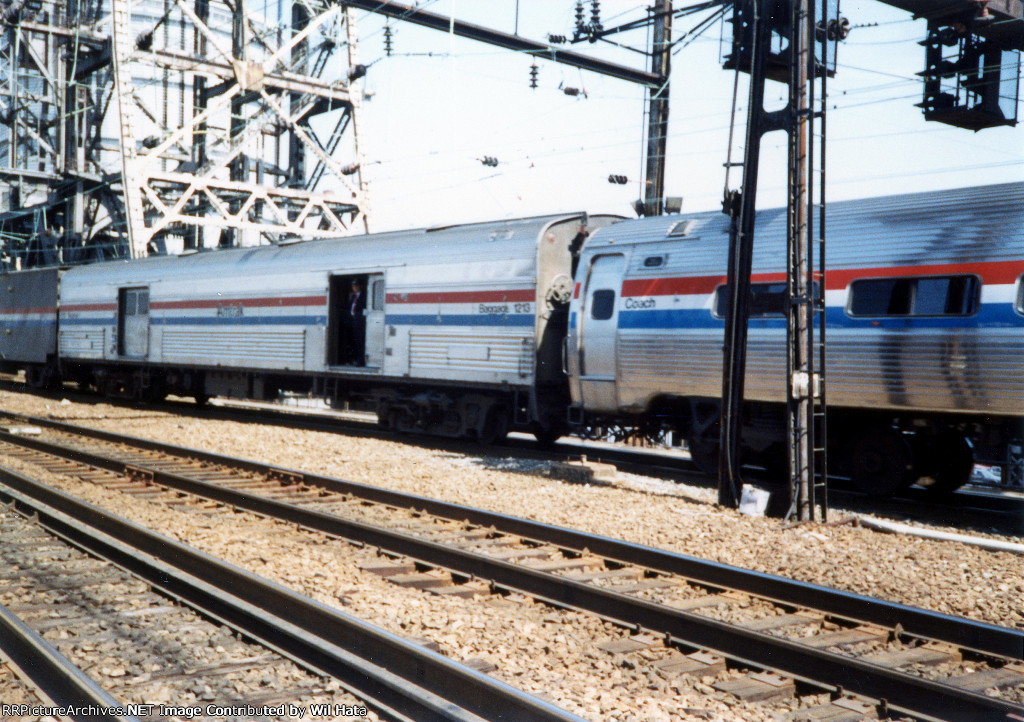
(355, 320)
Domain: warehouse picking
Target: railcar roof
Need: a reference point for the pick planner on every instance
(933, 219)
(314, 253)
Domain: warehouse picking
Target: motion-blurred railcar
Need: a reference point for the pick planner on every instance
(461, 335)
(924, 328)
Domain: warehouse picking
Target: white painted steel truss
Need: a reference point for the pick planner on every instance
(145, 124)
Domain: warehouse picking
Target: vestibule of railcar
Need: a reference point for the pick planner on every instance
(356, 320)
(133, 322)
(594, 350)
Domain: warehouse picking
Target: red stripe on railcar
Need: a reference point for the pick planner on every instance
(991, 272)
(89, 307)
(12, 311)
(281, 302)
(686, 285)
(520, 296)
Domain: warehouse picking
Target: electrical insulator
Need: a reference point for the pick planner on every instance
(595, 16)
(490, 161)
(838, 29)
(556, 39)
(533, 76)
(387, 40)
(619, 180)
(572, 92)
(580, 14)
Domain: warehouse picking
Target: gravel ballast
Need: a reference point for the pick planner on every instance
(545, 651)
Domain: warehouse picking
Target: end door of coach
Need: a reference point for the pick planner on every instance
(596, 336)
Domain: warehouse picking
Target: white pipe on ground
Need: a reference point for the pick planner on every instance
(896, 528)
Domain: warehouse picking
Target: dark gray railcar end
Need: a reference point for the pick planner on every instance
(28, 317)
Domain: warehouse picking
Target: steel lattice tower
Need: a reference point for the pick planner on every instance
(129, 127)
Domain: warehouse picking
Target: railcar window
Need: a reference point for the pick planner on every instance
(766, 299)
(602, 305)
(880, 297)
(654, 261)
(1020, 295)
(377, 304)
(681, 229)
(134, 301)
(926, 296)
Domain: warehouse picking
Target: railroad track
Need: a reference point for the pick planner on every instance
(34, 676)
(119, 599)
(686, 615)
(971, 506)
(140, 646)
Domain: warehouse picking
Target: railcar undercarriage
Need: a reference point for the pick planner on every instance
(882, 452)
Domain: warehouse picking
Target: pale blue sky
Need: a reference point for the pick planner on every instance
(441, 103)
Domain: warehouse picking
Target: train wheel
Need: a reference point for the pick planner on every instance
(881, 462)
(495, 426)
(953, 460)
(546, 436)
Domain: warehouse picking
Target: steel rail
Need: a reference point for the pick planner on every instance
(980, 508)
(906, 693)
(984, 507)
(965, 633)
(62, 683)
(398, 677)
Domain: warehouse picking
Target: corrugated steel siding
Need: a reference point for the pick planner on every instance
(970, 369)
(270, 347)
(493, 355)
(955, 371)
(82, 343)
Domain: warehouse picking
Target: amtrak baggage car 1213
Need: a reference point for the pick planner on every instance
(459, 332)
(925, 332)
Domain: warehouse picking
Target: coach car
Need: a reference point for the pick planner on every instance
(924, 325)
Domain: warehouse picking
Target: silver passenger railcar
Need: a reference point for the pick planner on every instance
(461, 332)
(925, 332)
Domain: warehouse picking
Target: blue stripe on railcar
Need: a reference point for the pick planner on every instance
(29, 322)
(102, 321)
(990, 315)
(238, 320)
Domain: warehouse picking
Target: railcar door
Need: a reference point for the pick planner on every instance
(133, 322)
(599, 320)
(375, 322)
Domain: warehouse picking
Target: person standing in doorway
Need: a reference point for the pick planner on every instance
(355, 320)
